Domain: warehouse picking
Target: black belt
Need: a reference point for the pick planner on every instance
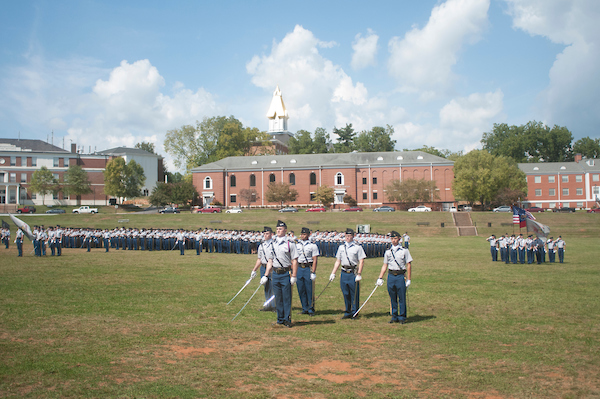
(397, 272)
(305, 265)
(281, 270)
(349, 269)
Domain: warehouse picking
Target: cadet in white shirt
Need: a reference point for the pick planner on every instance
(266, 247)
(308, 254)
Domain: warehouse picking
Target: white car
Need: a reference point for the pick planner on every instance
(420, 208)
(234, 210)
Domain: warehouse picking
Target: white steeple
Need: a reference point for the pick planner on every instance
(277, 114)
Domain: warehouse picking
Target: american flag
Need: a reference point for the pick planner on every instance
(520, 216)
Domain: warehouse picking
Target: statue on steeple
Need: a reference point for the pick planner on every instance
(277, 114)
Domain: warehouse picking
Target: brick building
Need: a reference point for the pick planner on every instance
(20, 158)
(360, 175)
(562, 184)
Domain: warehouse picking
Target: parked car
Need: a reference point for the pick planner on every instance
(464, 208)
(503, 208)
(317, 209)
(534, 209)
(211, 209)
(26, 209)
(594, 210)
(353, 209)
(234, 210)
(85, 209)
(420, 208)
(288, 209)
(169, 209)
(453, 209)
(564, 209)
(55, 211)
(384, 208)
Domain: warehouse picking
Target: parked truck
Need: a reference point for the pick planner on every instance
(85, 209)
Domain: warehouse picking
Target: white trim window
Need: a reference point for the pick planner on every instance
(339, 179)
(207, 183)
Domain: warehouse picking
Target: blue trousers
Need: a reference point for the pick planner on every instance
(305, 289)
(350, 292)
(494, 252)
(551, 256)
(283, 296)
(106, 244)
(268, 288)
(181, 247)
(397, 290)
(561, 255)
(20, 247)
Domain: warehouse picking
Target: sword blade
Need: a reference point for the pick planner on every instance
(365, 302)
(242, 289)
(321, 292)
(257, 288)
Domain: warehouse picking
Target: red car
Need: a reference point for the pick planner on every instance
(319, 209)
(353, 209)
(534, 209)
(594, 210)
(26, 209)
(210, 209)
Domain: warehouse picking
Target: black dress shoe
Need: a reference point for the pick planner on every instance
(401, 321)
(392, 321)
(287, 324)
(346, 316)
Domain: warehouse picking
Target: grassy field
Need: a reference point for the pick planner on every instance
(141, 324)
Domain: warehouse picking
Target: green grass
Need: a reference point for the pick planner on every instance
(141, 324)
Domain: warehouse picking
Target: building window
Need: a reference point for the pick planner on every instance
(13, 161)
(538, 192)
(580, 205)
(33, 161)
(23, 177)
(313, 178)
(538, 204)
(339, 178)
(374, 196)
(252, 181)
(365, 196)
(364, 180)
(55, 163)
(579, 191)
(232, 181)
(272, 178)
(565, 191)
(374, 180)
(596, 190)
(551, 179)
(565, 178)
(23, 161)
(233, 198)
(207, 183)
(55, 196)
(537, 179)
(55, 176)
(552, 192)
(13, 178)
(312, 196)
(292, 179)
(578, 178)
(33, 196)
(596, 177)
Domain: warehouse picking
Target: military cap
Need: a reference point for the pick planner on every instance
(394, 234)
(267, 228)
(281, 224)
(349, 231)
(305, 230)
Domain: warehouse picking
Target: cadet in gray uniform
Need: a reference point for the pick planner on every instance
(397, 261)
(308, 253)
(263, 249)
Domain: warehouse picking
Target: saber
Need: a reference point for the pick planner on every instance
(268, 301)
(365, 302)
(245, 285)
(257, 288)
(321, 292)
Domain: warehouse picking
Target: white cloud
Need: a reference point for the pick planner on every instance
(423, 59)
(365, 50)
(572, 97)
(317, 93)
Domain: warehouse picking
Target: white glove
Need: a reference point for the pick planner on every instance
(313, 276)
(264, 280)
(332, 277)
(253, 274)
(357, 278)
(293, 280)
(379, 282)
(407, 283)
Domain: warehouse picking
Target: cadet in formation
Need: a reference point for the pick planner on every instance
(264, 248)
(397, 262)
(308, 254)
(351, 257)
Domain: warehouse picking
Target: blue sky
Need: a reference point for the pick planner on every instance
(108, 73)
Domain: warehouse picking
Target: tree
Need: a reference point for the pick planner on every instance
(123, 180)
(378, 139)
(348, 199)
(76, 182)
(43, 182)
(533, 142)
(146, 146)
(321, 142)
(411, 191)
(248, 196)
(301, 143)
(480, 176)
(210, 140)
(325, 196)
(280, 192)
(161, 195)
(587, 147)
(345, 139)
